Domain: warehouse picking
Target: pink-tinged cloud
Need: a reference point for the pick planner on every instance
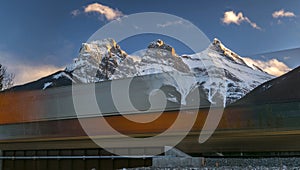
(109, 13)
(230, 17)
(273, 66)
(282, 13)
(28, 73)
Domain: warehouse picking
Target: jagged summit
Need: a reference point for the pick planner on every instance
(227, 70)
(161, 57)
(103, 60)
(218, 46)
(96, 61)
(223, 50)
(161, 45)
(97, 46)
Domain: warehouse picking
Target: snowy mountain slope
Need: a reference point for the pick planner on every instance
(155, 59)
(221, 73)
(58, 79)
(281, 89)
(228, 71)
(105, 60)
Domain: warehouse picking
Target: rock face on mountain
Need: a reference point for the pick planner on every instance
(160, 57)
(97, 61)
(222, 72)
(159, 44)
(221, 49)
(219, 72)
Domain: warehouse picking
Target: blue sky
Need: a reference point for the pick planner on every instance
(45, 33)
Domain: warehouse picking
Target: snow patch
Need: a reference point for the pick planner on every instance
(63, 74)
(46, 85)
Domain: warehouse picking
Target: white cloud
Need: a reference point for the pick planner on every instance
(170, 23)
(109, 13)
(231, 17)
(282, 13)
(273, 66)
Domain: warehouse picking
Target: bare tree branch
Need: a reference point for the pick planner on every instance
(6, 79)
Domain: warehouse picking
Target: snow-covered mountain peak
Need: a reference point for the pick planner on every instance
(218, 46)
(96, 60)
(101, 47)
(159, 44)
(218, 66)
(217, 70)
(160, 58)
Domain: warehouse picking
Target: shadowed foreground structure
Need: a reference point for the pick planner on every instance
(44, 123)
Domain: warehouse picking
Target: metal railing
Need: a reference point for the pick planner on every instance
(77, 157)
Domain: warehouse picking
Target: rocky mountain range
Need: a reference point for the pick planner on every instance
(218, 71)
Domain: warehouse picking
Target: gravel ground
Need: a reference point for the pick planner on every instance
(241, 163)
(222, 168)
